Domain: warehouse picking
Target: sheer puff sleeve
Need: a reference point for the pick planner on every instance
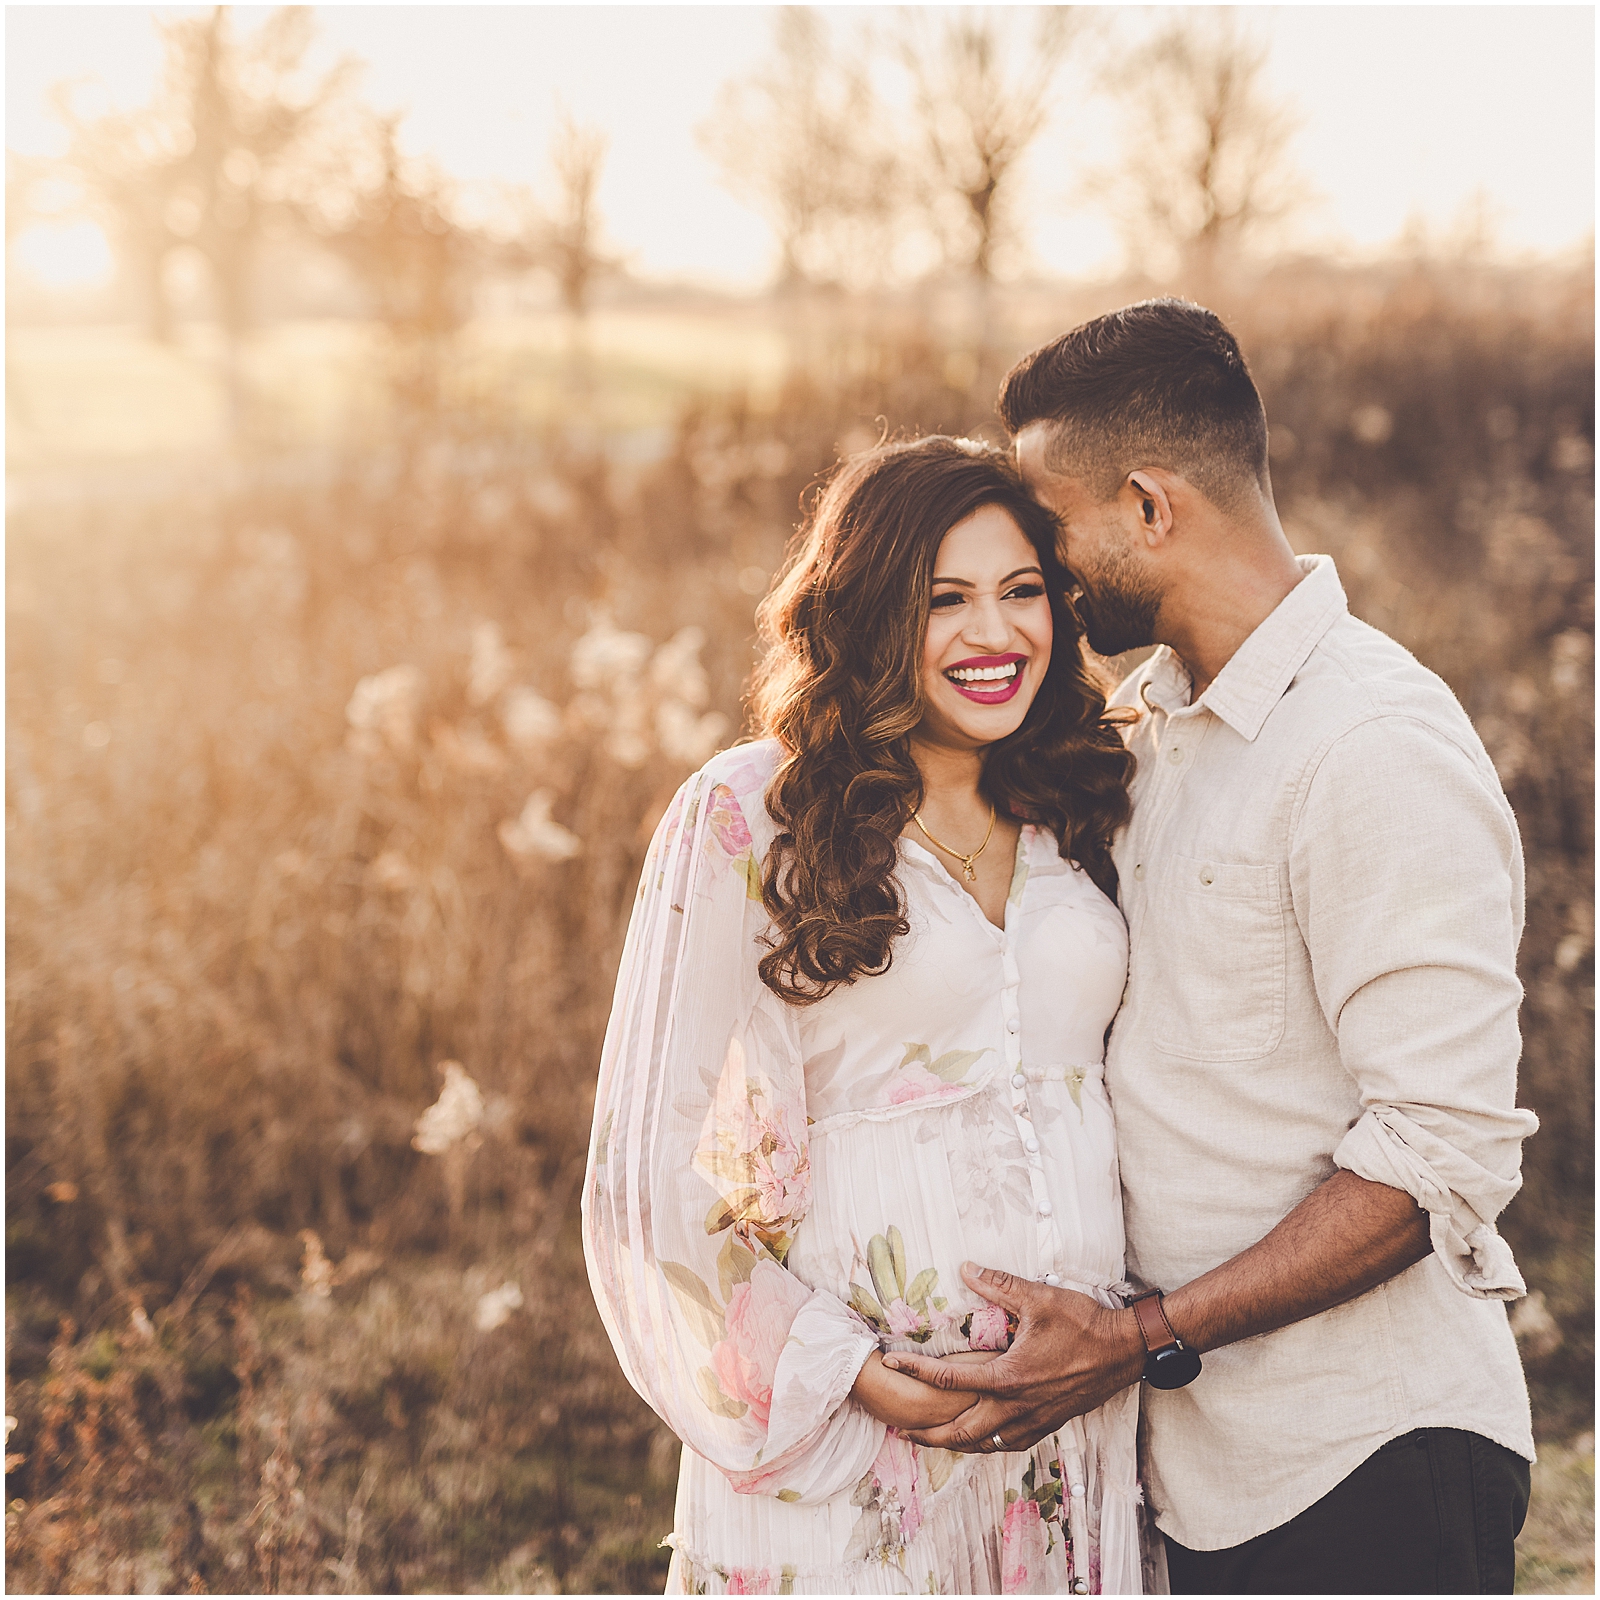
(699, 1169)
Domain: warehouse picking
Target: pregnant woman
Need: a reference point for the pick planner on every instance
(857, 1041)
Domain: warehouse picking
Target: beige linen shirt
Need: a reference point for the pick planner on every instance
(1324, 893)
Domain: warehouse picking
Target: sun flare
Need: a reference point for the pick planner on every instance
(64, 255)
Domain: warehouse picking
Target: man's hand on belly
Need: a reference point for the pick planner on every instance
(1070, 1355)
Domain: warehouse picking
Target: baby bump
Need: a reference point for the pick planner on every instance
(900, 1200)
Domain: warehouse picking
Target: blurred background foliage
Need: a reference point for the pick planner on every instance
(359, 628)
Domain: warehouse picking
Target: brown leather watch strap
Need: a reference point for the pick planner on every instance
(1154, 1328)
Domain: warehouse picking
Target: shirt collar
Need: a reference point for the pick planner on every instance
(1262, 668)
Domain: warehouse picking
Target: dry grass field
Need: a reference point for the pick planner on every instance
(337, 765)
(110, 395)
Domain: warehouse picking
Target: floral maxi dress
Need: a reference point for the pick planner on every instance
(775, 1191)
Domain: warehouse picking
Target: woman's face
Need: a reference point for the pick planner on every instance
(989, 633)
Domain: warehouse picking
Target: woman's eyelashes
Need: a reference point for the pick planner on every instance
(952, 598)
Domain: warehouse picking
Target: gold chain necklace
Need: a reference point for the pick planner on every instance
(968, 871)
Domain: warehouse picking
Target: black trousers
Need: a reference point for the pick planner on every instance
(1433, 1512)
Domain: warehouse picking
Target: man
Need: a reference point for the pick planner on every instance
(1314, 1066)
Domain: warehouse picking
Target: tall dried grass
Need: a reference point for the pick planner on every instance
(316, 781)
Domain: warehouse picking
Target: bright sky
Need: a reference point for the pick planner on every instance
(1407, 113)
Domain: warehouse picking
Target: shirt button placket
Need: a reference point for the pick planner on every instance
(1023, 1115)
(1044, 1212)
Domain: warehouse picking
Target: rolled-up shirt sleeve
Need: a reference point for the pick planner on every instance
(1406, 876)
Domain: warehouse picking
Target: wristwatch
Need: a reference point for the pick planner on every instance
(1170, 1363)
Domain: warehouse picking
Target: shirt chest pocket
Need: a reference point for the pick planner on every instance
(1222, 991)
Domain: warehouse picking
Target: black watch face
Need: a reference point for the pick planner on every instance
(1172, 1367)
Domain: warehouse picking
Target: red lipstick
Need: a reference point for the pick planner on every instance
(992, 690)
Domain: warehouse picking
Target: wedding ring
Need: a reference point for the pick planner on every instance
(997, 1441)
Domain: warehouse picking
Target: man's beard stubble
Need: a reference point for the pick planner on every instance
(1118, 608)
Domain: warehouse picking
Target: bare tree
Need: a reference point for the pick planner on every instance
(572, 247)
(982, 81)
(801, 141)
(393, 223)
(562, 240)
(211, 163)
(1207, 166)
(127, 169)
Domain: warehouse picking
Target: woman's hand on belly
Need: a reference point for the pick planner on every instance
(905, 1402)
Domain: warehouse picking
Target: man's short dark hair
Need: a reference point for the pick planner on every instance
(1157, 384)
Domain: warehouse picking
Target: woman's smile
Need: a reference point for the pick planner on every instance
(989, 680)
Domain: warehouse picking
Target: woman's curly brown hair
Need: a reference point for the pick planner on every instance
(840, 689)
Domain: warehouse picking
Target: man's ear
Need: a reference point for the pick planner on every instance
(1151, 506)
